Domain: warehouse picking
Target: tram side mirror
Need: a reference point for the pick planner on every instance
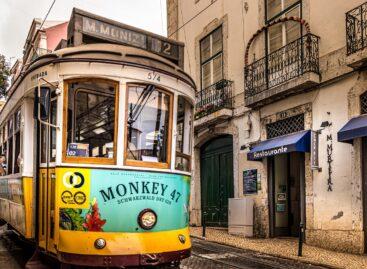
(42, 103)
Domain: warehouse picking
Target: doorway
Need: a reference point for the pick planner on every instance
(364, 189)
(286, 194)
(216, 169)
(46, 141)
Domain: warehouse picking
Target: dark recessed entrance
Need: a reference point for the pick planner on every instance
(286, 193)
(364, 189)
(216, 168)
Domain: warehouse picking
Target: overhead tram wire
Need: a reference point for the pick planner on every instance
(43, 22)
(48, 12)
(179, 28)
(160, 2)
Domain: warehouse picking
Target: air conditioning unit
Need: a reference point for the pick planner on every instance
(241, 216)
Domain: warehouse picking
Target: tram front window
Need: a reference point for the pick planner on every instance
(183, 135)
(148, 125)
(91, 119)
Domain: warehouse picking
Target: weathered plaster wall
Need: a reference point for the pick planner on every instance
(333, 218)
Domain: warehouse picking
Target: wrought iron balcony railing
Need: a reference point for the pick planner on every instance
(291, 61)
(356, 25)
(214, 98)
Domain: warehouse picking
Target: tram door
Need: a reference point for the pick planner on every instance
(46, 182)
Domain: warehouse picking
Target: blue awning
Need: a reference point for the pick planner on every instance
(299, 141)
(355, 128)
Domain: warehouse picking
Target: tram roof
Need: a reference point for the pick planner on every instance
(109, 54)
(92, 38)
(86, 28)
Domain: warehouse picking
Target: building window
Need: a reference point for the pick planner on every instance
(211, 58)
(148, 126)
(363, 101)
(183, 134)
(282, 34)
(90, 121)
(286, 126)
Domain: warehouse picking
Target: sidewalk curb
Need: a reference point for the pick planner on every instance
(272, 255)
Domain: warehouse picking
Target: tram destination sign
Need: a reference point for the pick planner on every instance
(87, 24)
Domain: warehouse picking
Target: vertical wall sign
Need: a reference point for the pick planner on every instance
(250, 181)
(315, 150)
(329, 153)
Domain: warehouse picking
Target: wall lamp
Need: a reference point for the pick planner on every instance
(323, 125)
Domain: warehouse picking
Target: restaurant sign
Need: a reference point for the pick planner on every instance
(268, 153)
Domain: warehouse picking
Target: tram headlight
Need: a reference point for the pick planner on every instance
(182, 238)
(99, 243)
(147, 219)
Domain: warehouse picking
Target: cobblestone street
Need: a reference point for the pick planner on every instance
(207, 254)
(14, 255)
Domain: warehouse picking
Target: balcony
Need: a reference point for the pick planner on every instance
(356, 31)
(214, 104)
(40, 52)
(290, 69)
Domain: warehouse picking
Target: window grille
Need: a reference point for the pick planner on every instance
(363, 100)
(286, 126)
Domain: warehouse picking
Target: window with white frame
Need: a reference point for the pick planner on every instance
(211, 58)
(282, 34)
(10, 145)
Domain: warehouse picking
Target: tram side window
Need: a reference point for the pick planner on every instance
(91, 119)
(43, 143)
(48, 133)
(2, 157)
(53, 120)
(183, 135)
(17, 156)
(10, 146)
(4, 152)
(148, 124)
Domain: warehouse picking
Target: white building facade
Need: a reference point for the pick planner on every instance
(274, 78)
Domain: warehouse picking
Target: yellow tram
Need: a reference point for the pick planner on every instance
(97, 142)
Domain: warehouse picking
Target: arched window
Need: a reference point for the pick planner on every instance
(363, 100)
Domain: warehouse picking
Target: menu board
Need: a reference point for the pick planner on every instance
(250, 181)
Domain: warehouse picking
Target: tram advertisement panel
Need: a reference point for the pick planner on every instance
(111, 200)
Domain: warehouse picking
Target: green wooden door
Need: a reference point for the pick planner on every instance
(216, 166)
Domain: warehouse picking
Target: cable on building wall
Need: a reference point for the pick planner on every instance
(179, 28)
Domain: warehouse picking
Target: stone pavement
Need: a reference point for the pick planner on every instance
(207, 255)
(11, 255)
(285, 248)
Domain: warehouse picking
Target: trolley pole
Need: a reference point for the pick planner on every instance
(300, 241)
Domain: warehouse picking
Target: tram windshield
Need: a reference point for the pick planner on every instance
(91, 119)
(148, 123)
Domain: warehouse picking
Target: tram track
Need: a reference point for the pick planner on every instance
(244, 259)
(219, 262)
